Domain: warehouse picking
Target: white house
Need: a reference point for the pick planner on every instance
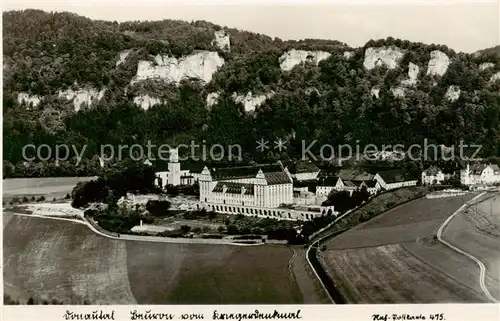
(432, 175)
(392, 179)
(480, 174)
(328, 184)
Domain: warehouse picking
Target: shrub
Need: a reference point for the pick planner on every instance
(158, 208)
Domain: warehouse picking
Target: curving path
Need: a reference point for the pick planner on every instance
(482, 267)
(129, 237)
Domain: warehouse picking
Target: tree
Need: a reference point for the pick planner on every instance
(185, 229)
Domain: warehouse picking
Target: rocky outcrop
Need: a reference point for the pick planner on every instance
(222, 40)
(123, 56)
(486, 65)
(201, 65)
(146, 102)
(212, 99)
(495, 77)
(413, 71)
(375, 92)
(80, 97)
(294, 57)
(438, 64)
(453, 93)
(348, 54)
(28, 99)
(388, 56)
(249, 101)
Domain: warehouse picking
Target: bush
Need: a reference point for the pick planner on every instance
(158, 208)
(41, 199)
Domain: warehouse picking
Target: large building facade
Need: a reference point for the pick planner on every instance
(262, 186)
(262, 191)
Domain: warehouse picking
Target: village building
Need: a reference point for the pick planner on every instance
(373, 187)
(392, 179)
(302, 170)
(433, 175)
(327, 184)
(480, 174)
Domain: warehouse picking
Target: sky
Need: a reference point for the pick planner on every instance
(462, 25)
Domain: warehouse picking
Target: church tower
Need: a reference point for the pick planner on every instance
(174, 168)
(205, 182)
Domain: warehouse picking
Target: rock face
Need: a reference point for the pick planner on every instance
(201, 65)
(28, 99)
(438, 64)
(388, 56)
(123, 56)
(82, 96)
(486, 65)
(495, 77)
(294, 57)
(348, 54)
(250, 102)
(375, 92)
(212, 99)
(222, 40)
(146, 102)
(413, 71)
(453, 93)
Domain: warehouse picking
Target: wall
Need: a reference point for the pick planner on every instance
(274, 213)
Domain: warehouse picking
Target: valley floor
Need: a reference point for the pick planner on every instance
(395, 258)
(50, 259)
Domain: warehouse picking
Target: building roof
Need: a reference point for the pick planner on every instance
(495, 167)
(233, 188)
(302, 166)
(328, 181)
(276, 178)
(243, 171)
(349, 184)
(358, 183)
(355, 174)
(393, 176)
(371, 184)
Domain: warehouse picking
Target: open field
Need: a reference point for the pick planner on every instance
(49, 187)
(474, 231)
(394, 258)
(51, 259)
